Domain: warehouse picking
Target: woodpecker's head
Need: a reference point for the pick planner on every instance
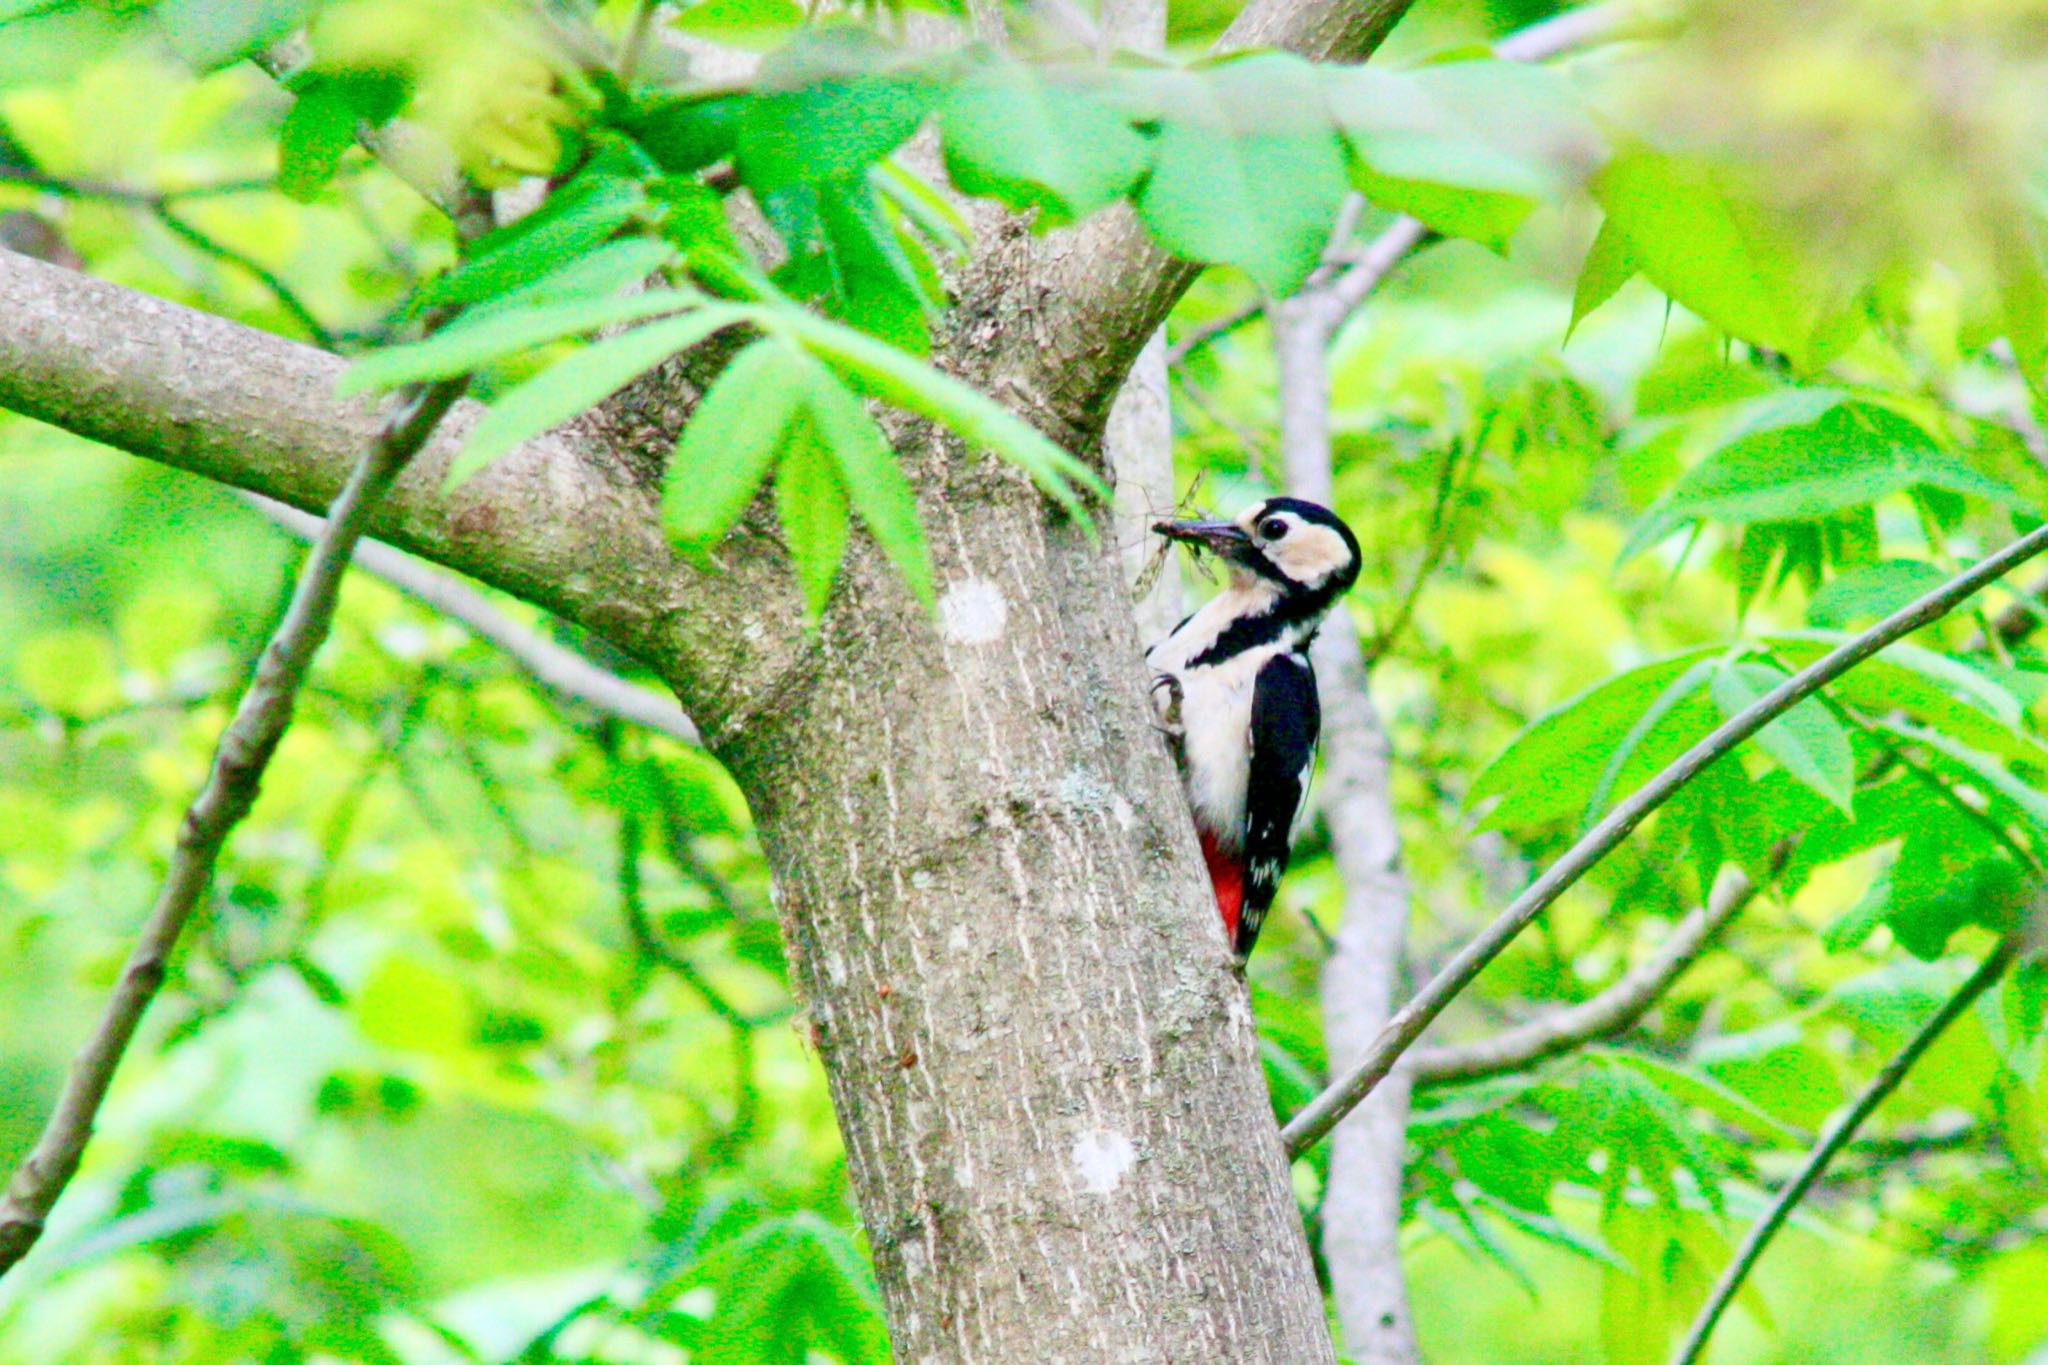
(1303, 549)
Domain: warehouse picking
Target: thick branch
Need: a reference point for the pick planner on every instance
(1323, 1113)
(554, 666)
(1607, 1013)
(1837, 1136)
(562, 521)
(246, 747)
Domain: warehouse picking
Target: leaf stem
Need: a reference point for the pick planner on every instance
(1323, 1113)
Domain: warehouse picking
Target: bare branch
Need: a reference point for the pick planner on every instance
(1607, 1013)
(554, 666)
(246, 747)
(1322, 1113)
(1837, 1136)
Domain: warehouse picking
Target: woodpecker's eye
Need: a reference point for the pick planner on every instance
(1273, 528)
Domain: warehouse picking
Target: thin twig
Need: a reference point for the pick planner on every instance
(633, 50)
(1323, 1113)
(1454, 479)
(1607, 1013)
(1198, 337)
(1832, 1141)
(554, 666)
(246, 747)
(286, 296)
(67, 188)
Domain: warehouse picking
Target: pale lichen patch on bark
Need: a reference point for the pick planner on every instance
(1102, 1157)
(973, 612)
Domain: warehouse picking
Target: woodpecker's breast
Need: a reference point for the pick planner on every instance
(1216, 709)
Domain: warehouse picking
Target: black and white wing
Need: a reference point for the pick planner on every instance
(1285, 719)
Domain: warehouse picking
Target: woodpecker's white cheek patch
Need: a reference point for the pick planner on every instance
(1102, 1158)
(973, 612)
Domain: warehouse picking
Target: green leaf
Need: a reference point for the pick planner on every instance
(683, 134)
(729, 442)
(1775, 1068)
(1547, 772)
(827, 106)
(811, 505)
(1248, 171)
(1707, 247)
(1609, 265)
(612, 267)
(2027, 800)
(321, 127)
(1871, 592)
(577, 220)
(1682, 689)
(1468, 147)
(1807, 453)
(1035, 140)
(1940, 692)
(1807, 741)
(874, 286)
(874, 481)
(881, 371)
(751, 25)
(1704, 1092)
(49, 46)
(474, 343)
(1947, 875)
(581, 381)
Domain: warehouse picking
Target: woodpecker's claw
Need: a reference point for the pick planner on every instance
(1168, 710)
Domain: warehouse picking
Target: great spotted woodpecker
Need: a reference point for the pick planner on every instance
(1237, 698)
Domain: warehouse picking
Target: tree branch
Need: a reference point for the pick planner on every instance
(245, 751)
(1837, 1136)
(1607, 1013)
(556, 667)
(562, 522)
(1323, 1113)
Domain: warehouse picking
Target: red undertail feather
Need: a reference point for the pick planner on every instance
(1226, 874)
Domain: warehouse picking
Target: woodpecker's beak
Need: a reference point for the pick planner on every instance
(1226, 538)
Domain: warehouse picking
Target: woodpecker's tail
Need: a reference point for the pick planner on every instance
(1226, 874)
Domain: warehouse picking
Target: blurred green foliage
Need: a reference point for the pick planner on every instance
(482, 1049)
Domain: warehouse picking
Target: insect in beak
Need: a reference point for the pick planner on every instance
(1225, 538)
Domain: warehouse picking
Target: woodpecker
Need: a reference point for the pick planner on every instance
(1236, 695)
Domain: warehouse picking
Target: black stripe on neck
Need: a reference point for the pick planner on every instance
(1302, 606)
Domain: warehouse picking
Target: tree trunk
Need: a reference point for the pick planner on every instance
(1043, 1066)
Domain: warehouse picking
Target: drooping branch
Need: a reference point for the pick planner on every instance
(1603, 1016)
(556, 667)
(245, 751)
(1832, 1141)
(1323, 1112)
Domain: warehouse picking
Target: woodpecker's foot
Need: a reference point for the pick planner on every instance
(1167, 707)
